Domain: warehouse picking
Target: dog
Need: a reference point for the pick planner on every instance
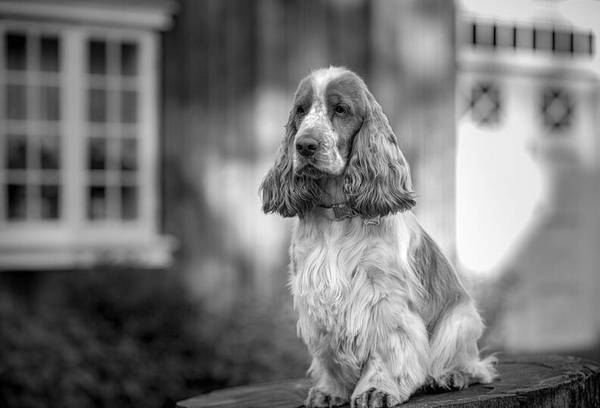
(380, 308)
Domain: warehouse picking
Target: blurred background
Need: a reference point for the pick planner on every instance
(136, 268)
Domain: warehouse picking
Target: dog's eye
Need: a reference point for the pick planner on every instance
(300, 110)
(340, 109)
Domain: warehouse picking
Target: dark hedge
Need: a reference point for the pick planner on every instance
(126, 338)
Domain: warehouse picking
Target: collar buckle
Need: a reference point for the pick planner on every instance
(372, 221)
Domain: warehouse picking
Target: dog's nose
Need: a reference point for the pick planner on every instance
(307, 146)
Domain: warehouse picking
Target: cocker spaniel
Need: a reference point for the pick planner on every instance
(381, 310)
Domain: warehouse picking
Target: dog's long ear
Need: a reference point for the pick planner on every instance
(282, 192)
(377, 180)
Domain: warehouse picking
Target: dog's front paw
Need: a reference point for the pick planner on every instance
(374, 398)
(454, 380)
(319, 399)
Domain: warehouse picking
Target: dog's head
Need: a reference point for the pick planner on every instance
(337, 128)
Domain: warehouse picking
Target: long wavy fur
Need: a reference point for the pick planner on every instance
(380, 308)
(282, 191)
(377, 180)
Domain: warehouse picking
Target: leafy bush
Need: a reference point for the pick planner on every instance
(121, 338)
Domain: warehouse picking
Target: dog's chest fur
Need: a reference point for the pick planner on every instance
(331, 262)
(325, 257)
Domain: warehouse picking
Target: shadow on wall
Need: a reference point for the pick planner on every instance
(543, 296)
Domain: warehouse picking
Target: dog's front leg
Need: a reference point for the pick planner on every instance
(329, 390)
(396, 345)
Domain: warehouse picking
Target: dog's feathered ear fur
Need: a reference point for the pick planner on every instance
(377, 180)
(282, 191)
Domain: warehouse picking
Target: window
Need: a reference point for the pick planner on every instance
(545, 39)
(112, 136)
(32, 117)
(485, 104)
(78, 138)
(557, 108)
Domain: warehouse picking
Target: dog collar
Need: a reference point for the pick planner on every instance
(340, 212)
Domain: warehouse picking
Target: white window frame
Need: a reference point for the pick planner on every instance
(73, 240)
(28, 125)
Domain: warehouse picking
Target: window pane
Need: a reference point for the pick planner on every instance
(581, 43)
(16, 101)
(505, 36)
(485, 104)
(49, 61)
(97, 105)
(97, 57)
(128, 106)
(97, 153)
(485, 34)
(97, 202)
(129, 58)
(49, 202)
(524, 37)
(16, 151)
(543, 39)
(49, 103)
(563, 41)
(50, 151)
(129, 200)
(128, 153)
(16, 195)
(16, 51)
(557, 109)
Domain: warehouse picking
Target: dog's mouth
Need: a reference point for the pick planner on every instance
(310, 171)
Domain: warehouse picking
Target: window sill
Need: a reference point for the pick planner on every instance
(155, 252)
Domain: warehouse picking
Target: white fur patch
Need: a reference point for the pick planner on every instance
(323, 77)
